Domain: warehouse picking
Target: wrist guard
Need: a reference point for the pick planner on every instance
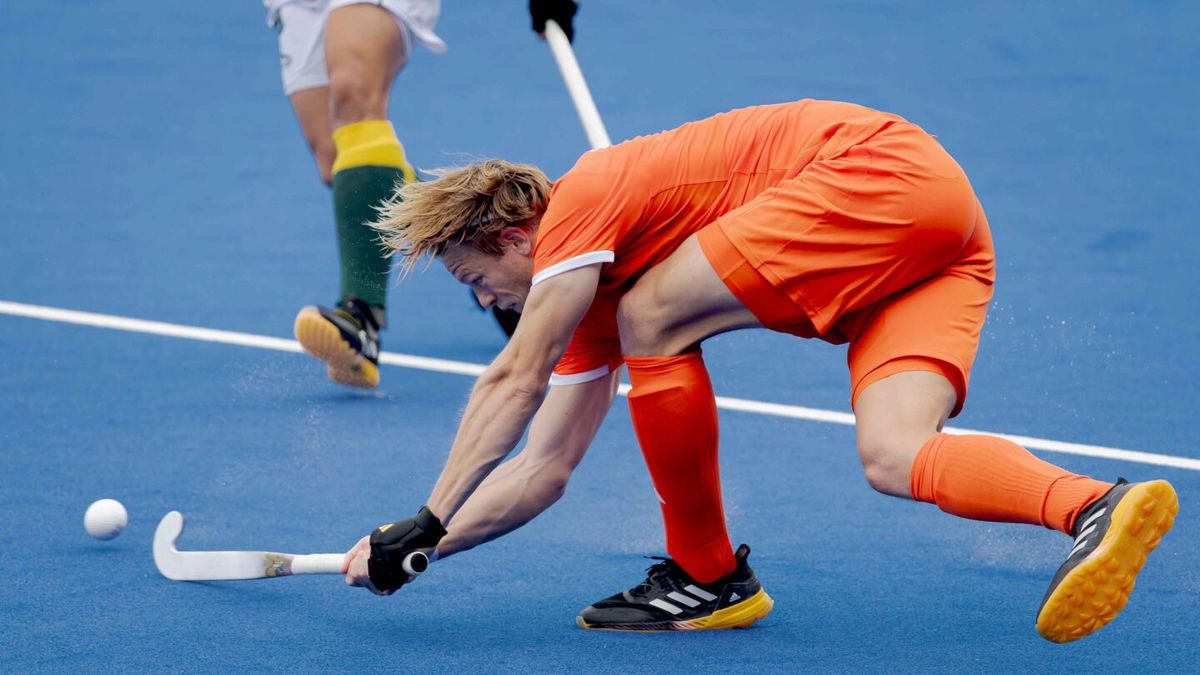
(390, 544)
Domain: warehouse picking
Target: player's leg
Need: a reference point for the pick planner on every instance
(989, 478)
(910, 359)
(662, 320)
(704, 584)
(364, 49)
(344, 337)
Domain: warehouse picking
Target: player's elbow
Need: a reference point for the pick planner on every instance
(516, 381)
(549, 481)
(526, 390)
(522, 374)
(527, 379)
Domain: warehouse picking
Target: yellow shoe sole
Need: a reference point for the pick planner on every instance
(741, 615)
(324, 341)
(1092, 594)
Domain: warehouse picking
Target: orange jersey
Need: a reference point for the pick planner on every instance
(631, 205)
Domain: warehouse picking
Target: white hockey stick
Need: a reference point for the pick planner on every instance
(230, 565)
(564, 56)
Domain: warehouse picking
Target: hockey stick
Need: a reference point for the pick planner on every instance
(230, 565)
(577, 87)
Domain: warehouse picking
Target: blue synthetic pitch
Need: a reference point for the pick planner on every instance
(150, 168)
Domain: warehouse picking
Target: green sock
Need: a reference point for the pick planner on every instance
(370, 164)
(365, 266)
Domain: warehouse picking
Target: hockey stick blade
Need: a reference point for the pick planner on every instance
(230, 565)
(234, 565)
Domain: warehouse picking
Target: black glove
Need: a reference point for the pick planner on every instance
(390, 544)
(561, 11)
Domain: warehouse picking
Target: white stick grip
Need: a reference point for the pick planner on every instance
(564, 56)
(318, 563)
(415, 563)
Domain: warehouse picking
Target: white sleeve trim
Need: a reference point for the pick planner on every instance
(573, 264)
(557, 380)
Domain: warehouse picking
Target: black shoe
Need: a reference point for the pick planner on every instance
(670, 600)
(346, 338)
(1113, 536)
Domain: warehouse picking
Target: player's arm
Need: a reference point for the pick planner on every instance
(513, 387)
(521, 488)
(501, 404)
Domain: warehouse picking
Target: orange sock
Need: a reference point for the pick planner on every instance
(989, 478)
(675, 418)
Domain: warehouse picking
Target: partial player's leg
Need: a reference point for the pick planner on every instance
(364, 52)
(364, 49)
(305, 80)
(312, 112)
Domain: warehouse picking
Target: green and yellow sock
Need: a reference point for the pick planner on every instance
(370, 164)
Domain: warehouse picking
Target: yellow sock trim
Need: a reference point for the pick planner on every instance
(373, 143)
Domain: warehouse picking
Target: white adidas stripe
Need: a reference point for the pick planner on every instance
(664, 605)
(700, 593)
(1091, 519)
(1081, 541)
(680, 597)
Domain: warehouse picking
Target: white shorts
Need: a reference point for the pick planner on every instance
(301, 28)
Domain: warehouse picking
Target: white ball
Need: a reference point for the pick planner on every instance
(105, 519)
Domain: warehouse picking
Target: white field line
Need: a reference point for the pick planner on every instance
(474, 369)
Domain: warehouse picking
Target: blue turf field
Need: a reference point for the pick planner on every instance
(150, 168)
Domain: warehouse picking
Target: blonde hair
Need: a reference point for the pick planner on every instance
(471, 204)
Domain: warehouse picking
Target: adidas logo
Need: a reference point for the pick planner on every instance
(734, 597)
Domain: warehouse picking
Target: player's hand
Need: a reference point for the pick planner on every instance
(561, 11)
(394, 554)
(356, 566)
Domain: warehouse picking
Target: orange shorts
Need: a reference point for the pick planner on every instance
(883, 245)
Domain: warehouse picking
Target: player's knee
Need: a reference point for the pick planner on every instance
(887, 464)
(642, 323)
(353, 97)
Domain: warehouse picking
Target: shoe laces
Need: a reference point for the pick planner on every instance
(666, 569)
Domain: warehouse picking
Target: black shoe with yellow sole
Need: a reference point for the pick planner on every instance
(670, 600)
(1113, 536)
(346, 338)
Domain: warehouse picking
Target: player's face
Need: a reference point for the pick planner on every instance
(501, 280)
